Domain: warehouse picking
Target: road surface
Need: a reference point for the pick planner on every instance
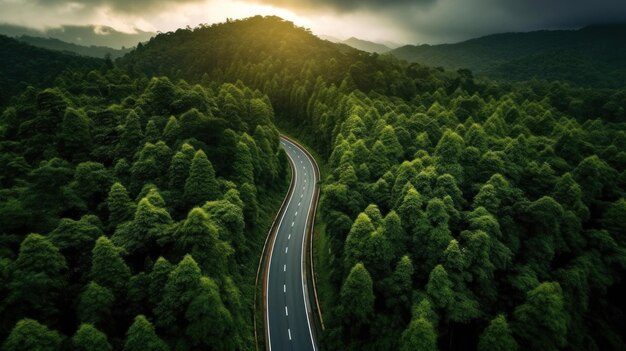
(287, 320)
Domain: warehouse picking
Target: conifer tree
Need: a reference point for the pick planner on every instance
(88, 338)
(201, 185)
(142, 337)
(29, 335)
(108, 268)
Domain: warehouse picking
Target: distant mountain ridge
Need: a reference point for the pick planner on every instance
(59, 45)
(591, 56)
(368, 46)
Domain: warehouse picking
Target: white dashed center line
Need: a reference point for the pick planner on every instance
(289, 331)
(286, 249)
(284, 268)
(286, 311)
(284, 288)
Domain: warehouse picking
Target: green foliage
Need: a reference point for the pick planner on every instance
(89, 338)
(94, 306)
(108, 268)
(497, 336)
(542, 320)
(28, 335)
(141, 336)
(357, 297)
(201, 184)
(38, 277)
(419, 335)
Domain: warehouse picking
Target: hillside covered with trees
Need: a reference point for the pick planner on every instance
(592, 56)
(132, 213)
(456, 213)
(22, 65)
(459, 213)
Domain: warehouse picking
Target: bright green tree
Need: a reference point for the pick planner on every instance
(201, 184)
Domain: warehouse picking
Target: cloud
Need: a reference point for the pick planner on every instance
(120, 6)
(82, 35)
(346, 5)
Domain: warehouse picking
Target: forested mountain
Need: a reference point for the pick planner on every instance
(459, 214)
(23, 64)
(456, 213)
(365, 45)
(592, 56)
(59, 45)
(133, 211)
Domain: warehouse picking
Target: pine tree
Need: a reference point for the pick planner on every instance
(38, 276)
(120, 206)
(210, 323)
(28, 335)
(75, 139)
(180, 289)
(142, 337)
(201, 185)
(357, 297)
(88, 338)
(541, 322)
(497, 336)
(172, 130)
(131, 137)
(108, 268)
(243, 168)
(95, 303)
(419, 336)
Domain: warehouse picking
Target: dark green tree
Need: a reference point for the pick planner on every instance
(95, 303)
(88, 338)
(497, 336)
(541, 322)
(141, 336)
(29, 335)
(108, 268)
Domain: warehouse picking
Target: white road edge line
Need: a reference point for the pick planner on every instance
(302, 273)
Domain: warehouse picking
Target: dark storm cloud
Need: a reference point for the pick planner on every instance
(345, 5)
(455, 20)
(122, 6)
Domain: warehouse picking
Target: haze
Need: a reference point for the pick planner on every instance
(401, 21)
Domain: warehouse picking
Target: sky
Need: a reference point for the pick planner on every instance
(399, 21)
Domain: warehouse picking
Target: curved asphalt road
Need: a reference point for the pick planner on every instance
(287, 313)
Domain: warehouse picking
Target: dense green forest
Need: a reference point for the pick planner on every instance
(60, 45)
(592, 56)
(458, 213)
(22, 65)
(133, 211)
